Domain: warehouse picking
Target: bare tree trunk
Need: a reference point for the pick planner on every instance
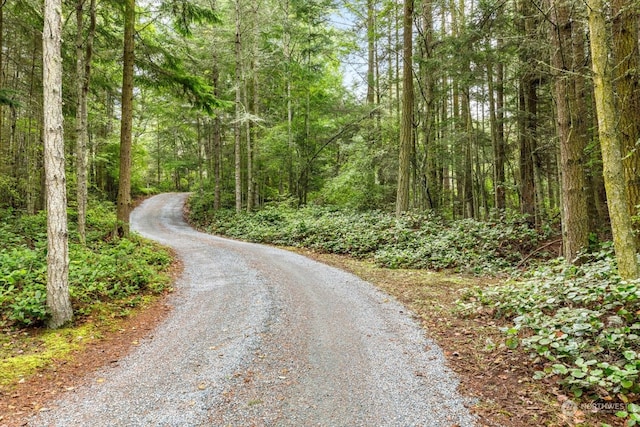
(217, 139)
(406, 130)
(496, 118)
(572, 144)
(83, 72)
(434, 185)
(126, 123)
(58, 301)
(623, 240)
(370, 50)
(527, 117)
(238, 101)
(249, 153)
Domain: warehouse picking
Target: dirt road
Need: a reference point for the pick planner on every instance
(263, 337)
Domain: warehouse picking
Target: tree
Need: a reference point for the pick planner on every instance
(406, 129)
(83, 72)
(238, 106)
(58, 301)
(126, 121)
(626, 73)
(623, 239)
(572, 137)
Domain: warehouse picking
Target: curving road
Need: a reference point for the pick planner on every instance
(263, 337)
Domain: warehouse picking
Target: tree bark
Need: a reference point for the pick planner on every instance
(406, 129)
(496, 113)
(126, 122)
(626, 75)
(570, 133)
(370, 52)
(527, 118)
(623, 240)
(238, 103)
(58, 301)
(217, 137)
(83, 72)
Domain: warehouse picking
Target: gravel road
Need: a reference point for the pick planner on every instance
(263, 337)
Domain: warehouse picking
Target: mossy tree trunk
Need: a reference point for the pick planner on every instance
(623, 239)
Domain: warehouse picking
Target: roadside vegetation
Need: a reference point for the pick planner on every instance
(574, 327)
(416, 240)
(109, 278)
(579, 324)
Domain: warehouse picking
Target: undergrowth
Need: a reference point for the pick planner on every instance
(416, 240)
(105, 271)
(578, 323)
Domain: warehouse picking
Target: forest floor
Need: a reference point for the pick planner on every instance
(498, 377)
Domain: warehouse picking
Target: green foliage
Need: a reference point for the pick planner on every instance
(413, 241)
(580, 323)
(103, 271)
(186, 13)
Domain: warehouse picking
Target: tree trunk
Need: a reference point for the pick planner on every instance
(58, 301)
(496, 118)
(370, 50)
(126, 122)
(83, 72)
(623, 240)
(238, 101)
(575, 234)
(527, 117)
(406, 129)
(626, 75)
(433, 189)
(217, 139)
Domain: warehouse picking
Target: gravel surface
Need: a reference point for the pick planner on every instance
(264, 337)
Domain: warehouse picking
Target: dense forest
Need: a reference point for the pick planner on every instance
(464, 108)
(514, 111)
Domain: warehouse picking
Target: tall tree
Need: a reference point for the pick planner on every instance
(126, 121)
(528, 110)
(84, 53)
(623, 239)
(626, 70)
(406, 128)
(238, 106)
(58, 301)
(572, 138)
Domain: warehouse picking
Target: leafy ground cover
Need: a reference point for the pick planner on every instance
(415, 240)
(109, 280)
(579, 326)
(105, 271)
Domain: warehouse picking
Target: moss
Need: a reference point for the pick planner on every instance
(39, 351)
